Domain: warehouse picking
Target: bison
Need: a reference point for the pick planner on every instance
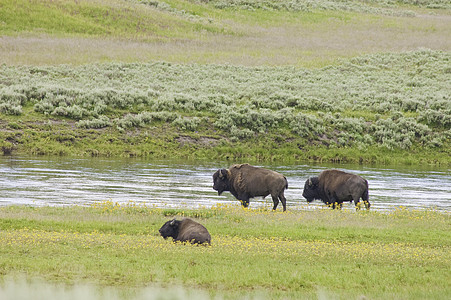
(334, 187)
(245, 181)
(185, 230)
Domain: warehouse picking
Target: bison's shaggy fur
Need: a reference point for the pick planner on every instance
(245, 181)
(185, 230)
(333, 187)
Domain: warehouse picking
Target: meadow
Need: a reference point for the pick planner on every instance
(262, 254)
(301, 33)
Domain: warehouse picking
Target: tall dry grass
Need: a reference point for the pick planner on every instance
(273, 42)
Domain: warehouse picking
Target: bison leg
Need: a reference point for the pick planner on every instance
(356, 200)
(358, 204)
(284, 201)
(275, 199)
(365, 200)
(244, 201)
(337, 205)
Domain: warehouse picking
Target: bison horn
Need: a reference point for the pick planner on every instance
(222, 173)
(310, 181)
(172, 222)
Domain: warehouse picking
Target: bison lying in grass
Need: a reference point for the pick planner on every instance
(334, 187)
(185, 230)
(245, 181)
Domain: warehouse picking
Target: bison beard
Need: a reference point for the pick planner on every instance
(245, 181)
(333, 187)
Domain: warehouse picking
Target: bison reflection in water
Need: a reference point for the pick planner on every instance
(185, 230)
(334, 187)
(245, 181)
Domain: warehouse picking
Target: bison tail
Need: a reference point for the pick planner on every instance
(286, 182)
(365, 196)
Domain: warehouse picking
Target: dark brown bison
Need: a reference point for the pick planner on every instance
(185, 230)
(334, 187)
(245, 181)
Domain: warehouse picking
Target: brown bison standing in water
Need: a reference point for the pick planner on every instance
(334, 187)
(185, 230)
(245, 181)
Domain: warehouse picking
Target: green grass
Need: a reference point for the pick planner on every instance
(164, 142)
(299, 254)
(380, 108)
(309, 64)
(94, 19)
(69, 32)
(254, 80)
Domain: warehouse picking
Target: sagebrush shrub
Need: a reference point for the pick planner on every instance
(404, 98)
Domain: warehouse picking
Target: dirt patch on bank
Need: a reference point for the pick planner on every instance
(202, 141)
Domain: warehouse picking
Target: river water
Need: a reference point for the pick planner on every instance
(55, 181)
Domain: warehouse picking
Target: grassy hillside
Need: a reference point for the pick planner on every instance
(254, 253)
(255, 80)
(301, 33)
(370, 109)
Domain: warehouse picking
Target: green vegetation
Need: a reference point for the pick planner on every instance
(94, 18)
(372, 6)
(351, 112)
(298, 254)
(364, 81)
(300, 33)
(144, 19)
(250, 80)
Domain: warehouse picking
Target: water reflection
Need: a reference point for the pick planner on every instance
(66, 181)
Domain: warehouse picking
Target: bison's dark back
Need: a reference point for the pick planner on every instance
(343, 186)
(257, 181)
(333, 178)
(191, 231)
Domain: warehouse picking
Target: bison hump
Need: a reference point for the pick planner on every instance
(238, 166)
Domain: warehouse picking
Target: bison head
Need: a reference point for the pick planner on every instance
(311, 189)
(170, 229)
(221, 181)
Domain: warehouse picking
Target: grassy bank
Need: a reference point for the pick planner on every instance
(299, 254)
(373, 109)
(340, 81)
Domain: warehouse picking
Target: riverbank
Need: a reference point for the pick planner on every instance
(365, 110)
(297, 254)
(62, 138)
(311, 81)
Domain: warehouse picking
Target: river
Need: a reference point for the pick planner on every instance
(57, 181)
